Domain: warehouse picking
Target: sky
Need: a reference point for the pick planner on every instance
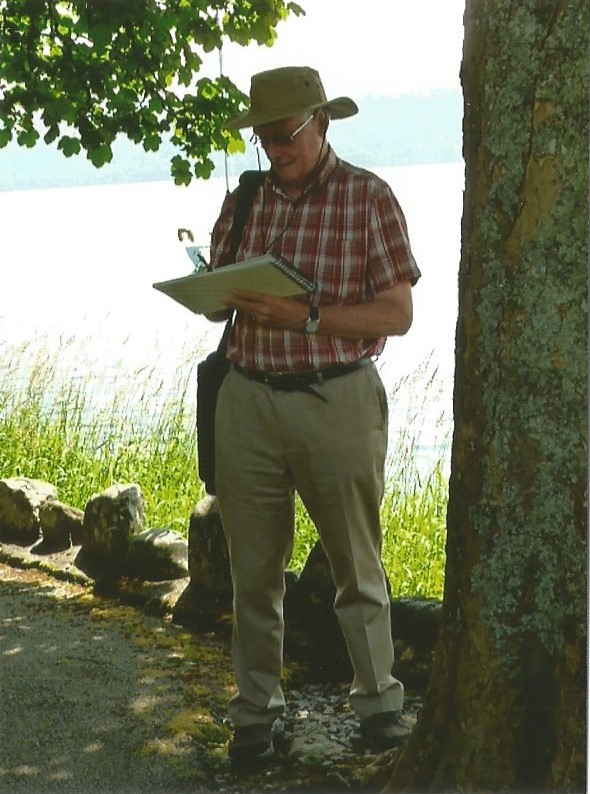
(363, 47)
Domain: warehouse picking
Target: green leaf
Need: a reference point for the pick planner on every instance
(155, 104)
(69, 145)
(51, 134)
(180, 169)
(126, 98)
(236, 146)
(185, 76)
(296, 9)
(101, 155)
(204, 169)
(181, 178)
(5, 137)
(152, 143)
(27, 137)
(101, 36)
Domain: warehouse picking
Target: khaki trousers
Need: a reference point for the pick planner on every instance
(269, 444)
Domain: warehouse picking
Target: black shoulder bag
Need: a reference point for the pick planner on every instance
(213, 369)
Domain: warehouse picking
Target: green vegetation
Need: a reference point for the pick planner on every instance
(83, 427)
(89, 72)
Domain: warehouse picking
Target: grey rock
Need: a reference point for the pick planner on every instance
(61, 525)
(157, 555)
(416, 621)
(20, 501)
(207, 600)
(208, 553)
(314, 637)
(110, 518)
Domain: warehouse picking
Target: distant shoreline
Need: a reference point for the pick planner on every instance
(388, 132)
(217, 174)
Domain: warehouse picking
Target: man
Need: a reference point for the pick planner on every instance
(303, 407)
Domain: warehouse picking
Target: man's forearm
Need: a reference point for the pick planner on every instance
(388, 314)
(365, 320)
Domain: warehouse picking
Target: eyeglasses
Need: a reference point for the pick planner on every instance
(278, 140)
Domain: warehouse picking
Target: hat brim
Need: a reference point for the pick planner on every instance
(340, 108)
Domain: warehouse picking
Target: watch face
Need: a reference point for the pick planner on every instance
(313, 321)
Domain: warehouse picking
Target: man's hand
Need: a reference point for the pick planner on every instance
(269, 309)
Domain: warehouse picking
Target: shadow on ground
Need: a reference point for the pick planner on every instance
(97, 697)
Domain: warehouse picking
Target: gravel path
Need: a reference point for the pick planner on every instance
(92, 695)
(98, 697)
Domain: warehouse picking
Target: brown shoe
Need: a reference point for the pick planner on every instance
(387, 729)
(250, 742)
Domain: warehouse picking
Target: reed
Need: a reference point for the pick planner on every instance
(84, 424)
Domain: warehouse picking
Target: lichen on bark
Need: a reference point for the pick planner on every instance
(531, 318)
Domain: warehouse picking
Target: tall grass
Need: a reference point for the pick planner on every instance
(83, 426)
(413, 512)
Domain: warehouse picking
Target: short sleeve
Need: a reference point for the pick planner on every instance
(390, 257)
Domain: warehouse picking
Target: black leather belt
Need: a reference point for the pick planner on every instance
(301, 381)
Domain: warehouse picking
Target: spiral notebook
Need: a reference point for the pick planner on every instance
(204, 292)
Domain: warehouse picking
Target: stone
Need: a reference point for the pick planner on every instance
(61, 525)
(417, 622)
(20, 501)
(110, 518)
(314, 637)
(208, 553)
(157, 555)
(312, 632)
(207, 600)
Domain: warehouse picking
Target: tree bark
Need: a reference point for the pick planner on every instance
(506, 705)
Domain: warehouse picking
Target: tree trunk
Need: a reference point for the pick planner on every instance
(506, 705)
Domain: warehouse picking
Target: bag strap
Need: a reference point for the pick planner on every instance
(248, 186)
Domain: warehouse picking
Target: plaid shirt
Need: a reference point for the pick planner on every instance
(347, 233)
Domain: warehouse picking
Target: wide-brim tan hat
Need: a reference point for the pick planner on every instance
(285, 92)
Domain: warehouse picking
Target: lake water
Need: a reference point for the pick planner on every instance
(77, 264)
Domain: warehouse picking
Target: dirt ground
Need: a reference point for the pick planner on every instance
(98, 697)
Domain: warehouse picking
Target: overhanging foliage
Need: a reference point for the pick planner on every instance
(81, 72)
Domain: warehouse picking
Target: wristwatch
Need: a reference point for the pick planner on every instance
(312, 324)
